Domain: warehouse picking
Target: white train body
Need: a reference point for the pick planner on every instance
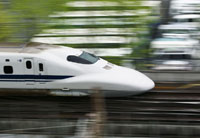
(38, 66)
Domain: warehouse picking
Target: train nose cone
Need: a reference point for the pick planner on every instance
(145, 84)
(135, 81)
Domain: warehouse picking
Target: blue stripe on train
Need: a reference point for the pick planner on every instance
(34, 77)
(23, 81)
(9, 80)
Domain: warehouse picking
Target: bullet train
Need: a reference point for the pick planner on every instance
(60, 69)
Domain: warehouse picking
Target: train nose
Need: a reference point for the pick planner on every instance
(144, 83)
(136, 81)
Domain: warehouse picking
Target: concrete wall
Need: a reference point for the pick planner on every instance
(181, 76)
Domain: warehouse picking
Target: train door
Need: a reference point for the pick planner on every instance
(41, 72)
(29, 71)
(41, 68)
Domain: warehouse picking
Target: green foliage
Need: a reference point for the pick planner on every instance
(142, 49)
(34, 8)
(6, 28)
(21, 19)
(114, 60)
(141, 46)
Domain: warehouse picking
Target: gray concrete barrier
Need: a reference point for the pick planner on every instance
(175, 76)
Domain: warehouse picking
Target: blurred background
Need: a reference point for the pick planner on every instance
(108, 28)
(157, 37)
(143, 34)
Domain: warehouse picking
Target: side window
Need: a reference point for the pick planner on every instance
(7, 60)
(8, 69)
(28, 64)
(41, 68)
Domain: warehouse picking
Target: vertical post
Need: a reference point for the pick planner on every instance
(93, 126)
(165, 11)
(99, 115)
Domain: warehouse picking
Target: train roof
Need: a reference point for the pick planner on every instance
(31, 47)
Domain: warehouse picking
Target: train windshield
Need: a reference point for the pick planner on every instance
(89, 57)
(84, 58)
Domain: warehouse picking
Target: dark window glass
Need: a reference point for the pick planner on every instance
(84, 58)
(78, 60)
(28, 64)
(41, 68)
(8, 69)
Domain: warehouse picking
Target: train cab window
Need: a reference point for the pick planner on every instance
(41, 68)
(28, 64)
(84, 58)
(8, 69)
(76, 59)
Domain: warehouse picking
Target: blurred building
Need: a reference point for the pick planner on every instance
(178, 45)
